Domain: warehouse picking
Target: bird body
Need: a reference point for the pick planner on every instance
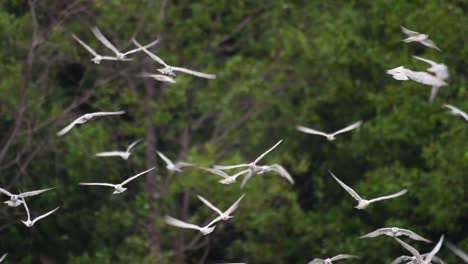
(30, 223)
(15, 199)
(171, 166)
(402, 74)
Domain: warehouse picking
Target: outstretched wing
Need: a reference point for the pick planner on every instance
(432, 63)
(97, 184)
(44, 215)
(311, 131)
(246, 178)
(3, 257)
(152, 55)
(410, 249)
(456, 111)
(348, 128)
(67, 128)
(136, 176)
(107, 113)
(229, 167)
(195, 73)
(104, 40)
(217, 172)
(133, 144)
(434, 250)
(109, 154)
(425, 78)
(316, 261)
(401, 259)
(234, 206)
(159, 77)
(207, 203)
(282, 172)
(409, 32)
(88, 48)
(413, 235)
(457, 251)
(33, 193)
(347, 188)
(166, 159)
(430, 44)
(343, 256)
(391, 196)
(266, 152)
(177, 223)
(141, 48)
(5, 192)
(378, 232)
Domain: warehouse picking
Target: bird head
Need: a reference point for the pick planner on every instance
(362, 204)
(206, 230)
(330, 137)
(27, 223)
(119, 189)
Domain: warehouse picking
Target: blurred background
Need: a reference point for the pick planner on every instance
(279, 64)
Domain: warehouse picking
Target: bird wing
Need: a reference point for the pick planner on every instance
(166, 159)
(207, 203)
(133, 144)
(400, 193)
(152, 55)
(44, 215)
(97, 184)
(457, 251)
(434, 90)
(229, 167)
(266, 152)
(109, 154)
(240, 173)
(26, 208)
(457, 111)
(104, 40)
(142, 47)
(88, 48)
(343, 256)
(410, 249)
(182, 164)
(282, 172)
(68, 128)
(424, 78)
(434, 250)
(311, 131)
(136, 176)
(316, 261)
(5, 192)
(217, 172)
(176, 222)
(378, 232)
(430, 44)
(401, 259)
(409, 32)
(107, 113)
(348, 128)
(413, 235)
(159, 77)
(33, 193)
(112, 58)
(195, 73)
(347, 188)
(3, 257)
(234, 206)
(432, 63)
(246, 178)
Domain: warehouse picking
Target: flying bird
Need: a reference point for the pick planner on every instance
(460, 253)
(97, 58)
(414, 36)
(441, 72)
(267, 168)
(159, 77)
(227, 179)
(330, 137)
(85, 118)
(174, 166)
(224, 216)
(3, 257)
(123, 154)
(30, 223)
(15, 199)
(363, 203)
(402, 74)
(168, 69)
(120, 55)
(118, 187)
(456, 111)
(330, 260)
(413, 260)
(395, 232)
(177, 223)
(420, 259)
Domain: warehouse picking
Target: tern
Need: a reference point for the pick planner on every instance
(120, 55)
(123, 154)
(457, 251)
(267, 168)
(414, 36)
(3, 257)
(15, 199)
(177, 223)
(171, 166)
(168, 69)
(118, 187)
(456, 111)
(97, 58)
(330, 260)
(440, 70)
(158, 77)
(402, 74)
(363, 203)
(413, 260)
(85, 118)
(224, 216)
(30, 223)
(395, 232)
(227, 179)
(419, 259)
(330, 137)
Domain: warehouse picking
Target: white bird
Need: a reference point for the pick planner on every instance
(171, 166)
(456, 111)
(224, 216)
(330, 260)
(420, 259)
(159, 77)
(227, 179)
(85, 118)
(402, 74)
(330, 137)
(3, 257)
(118, 187)
(457, 251)
(414, 36)
(120, 55)
(441, 72)
(177, 223)
(97, 58)
(413, 260)
(123, 154)
(169, 70)
(267, 168)
(363, 203)
(30, 223)
(15, 199)
(395, 232)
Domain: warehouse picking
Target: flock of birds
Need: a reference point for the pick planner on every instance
(167, 74)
